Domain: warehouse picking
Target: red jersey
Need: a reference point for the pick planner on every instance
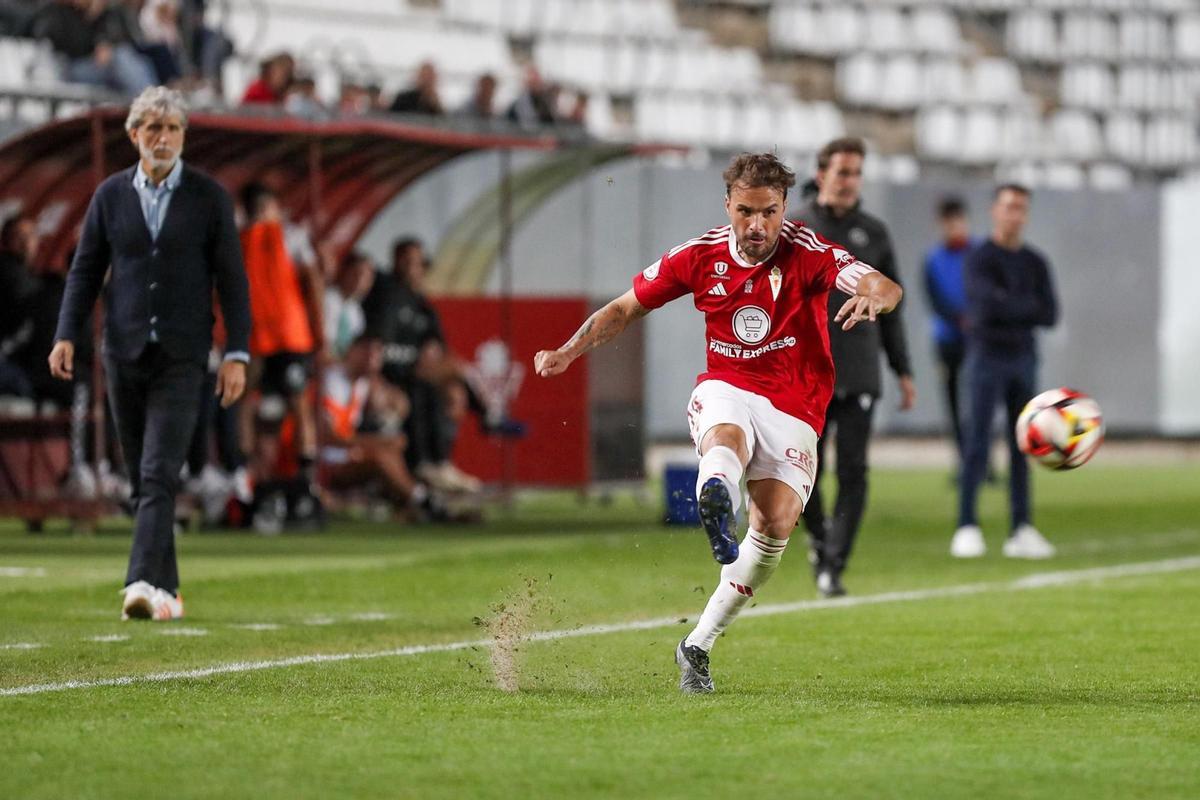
(766, 322)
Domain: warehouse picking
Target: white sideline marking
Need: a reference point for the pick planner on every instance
(258, 626)
(1034, 581)
(22, 572)
(183, 632)
(111, 637)
(21, 646)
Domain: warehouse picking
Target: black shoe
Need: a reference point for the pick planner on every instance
(829, 583)
(693, 669)
(716, 515)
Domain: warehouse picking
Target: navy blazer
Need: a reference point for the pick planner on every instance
(171, 280)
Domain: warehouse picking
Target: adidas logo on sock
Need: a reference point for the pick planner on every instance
(746, 590)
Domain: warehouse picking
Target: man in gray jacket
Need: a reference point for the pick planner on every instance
(834, 213)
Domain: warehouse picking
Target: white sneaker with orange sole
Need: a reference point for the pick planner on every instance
(167, 606)
(139, 601)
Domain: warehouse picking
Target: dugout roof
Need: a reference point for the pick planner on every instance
(337, 175)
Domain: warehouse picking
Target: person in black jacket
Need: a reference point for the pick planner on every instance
(168, 233)
(1009, 294)
(835, 214)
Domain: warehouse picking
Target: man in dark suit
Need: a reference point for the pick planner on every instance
(168, 233)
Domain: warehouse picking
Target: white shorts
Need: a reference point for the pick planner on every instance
(781, 446)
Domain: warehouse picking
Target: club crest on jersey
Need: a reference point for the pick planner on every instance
(842, 258)
(751, 324)
(651, 272)
(721, 267)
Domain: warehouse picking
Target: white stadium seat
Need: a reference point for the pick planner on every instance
(1075, 135)
(860, 79)
(1063, 175)
(1031, 34)
(981, 136)
(902, 83)
(887, 30)
(1124, 137)
(1108, 177)
(1088, 35)
(996, 80)
(935, 30)
(939, 132)
(944, 80)
(1186, 37)
(1087, 86)
(1143, 36)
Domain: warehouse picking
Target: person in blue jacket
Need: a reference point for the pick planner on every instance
(947, 297)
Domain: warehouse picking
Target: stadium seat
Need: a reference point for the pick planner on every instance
(936, 31)
(982, 141)
(860, 79)
(1109, 177)
(996, 80)
(1142, 36)
(1124, 137)
(1075, 135)
(939, 131)
(842, 29)
(1087, 35)
(1021, 134)
(944, 80)
(1141, 87)
(1170, 141)
(886, 30)
(1087, 86)
(1031, 34)
(1186, 38)
(1063, 175)
(902, 83)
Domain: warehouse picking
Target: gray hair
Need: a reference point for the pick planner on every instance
(156, 101)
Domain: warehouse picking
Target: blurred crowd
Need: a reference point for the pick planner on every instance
(127, 45)
(540, 103)
(123, 45)
(354, 402)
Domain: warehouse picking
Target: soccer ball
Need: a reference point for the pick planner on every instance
(1060, 428)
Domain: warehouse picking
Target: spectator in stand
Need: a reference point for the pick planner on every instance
(19, 242)
(284, 334)
(535, 106)
(162, 41)
(423, 97)
(577, 116)
(344, 318)
(92, 49)
(361, 418)
(414, 356)
(207, 48)
(374, 95)
(301, 99)
(274, 78)
(482, 104)
(353, 100)
(947, 295)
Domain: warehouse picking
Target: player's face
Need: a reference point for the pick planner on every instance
(955, 228)
(1010, 212)
(159, 140)
(840, 182)
(757, 215)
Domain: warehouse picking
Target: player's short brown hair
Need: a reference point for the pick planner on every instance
(758, 169)
(845, 144)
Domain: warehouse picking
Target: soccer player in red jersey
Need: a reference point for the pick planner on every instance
(762, 283)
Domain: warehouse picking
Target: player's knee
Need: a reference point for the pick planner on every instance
(727, 435)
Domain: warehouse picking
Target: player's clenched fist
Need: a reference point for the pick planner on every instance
(550, 362)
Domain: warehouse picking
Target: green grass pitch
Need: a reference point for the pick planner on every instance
(1083, 684)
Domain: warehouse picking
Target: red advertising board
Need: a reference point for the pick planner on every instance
(499, 338)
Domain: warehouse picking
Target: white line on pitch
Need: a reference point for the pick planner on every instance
(22, 572)
(21, 646)
(1035, 581)
(110, 637)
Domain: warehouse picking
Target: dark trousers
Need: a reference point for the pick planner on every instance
(154, 401)
(429, 440)
(850, 416)
(950, 356)
(213, 419)
(992, 379)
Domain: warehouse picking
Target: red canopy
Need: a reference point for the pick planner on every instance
(337, 174)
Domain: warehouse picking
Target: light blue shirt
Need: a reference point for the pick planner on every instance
(155, 201)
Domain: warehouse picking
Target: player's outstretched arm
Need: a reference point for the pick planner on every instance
(875, 294)
(605, 324)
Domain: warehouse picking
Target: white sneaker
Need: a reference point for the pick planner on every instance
(139, 601)
(1027, 542)
(167, 606)
(968, 542)
(445, 477)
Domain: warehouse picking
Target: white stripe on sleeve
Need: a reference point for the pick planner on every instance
(848, 278)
